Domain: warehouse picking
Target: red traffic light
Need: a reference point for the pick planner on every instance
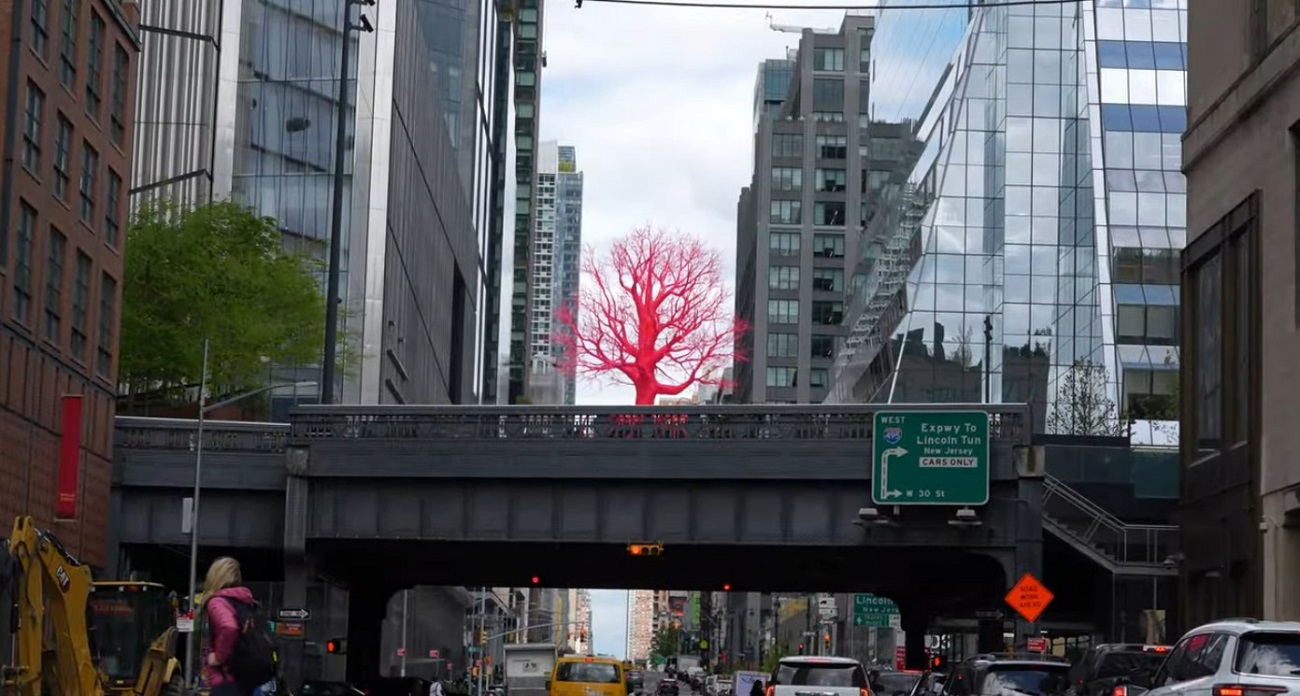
(336, 646)
(827, 638)
(801, 648)
(536, 579)
(726, 587)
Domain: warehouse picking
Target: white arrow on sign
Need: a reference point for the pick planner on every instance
(293, 614)
(885, 493)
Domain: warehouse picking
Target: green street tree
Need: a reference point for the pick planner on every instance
(219, 272)
(666, 641)
(1082, 405)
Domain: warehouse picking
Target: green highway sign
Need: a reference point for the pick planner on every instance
(930, 458)
(870, 610)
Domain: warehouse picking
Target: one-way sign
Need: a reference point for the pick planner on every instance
(293, 614)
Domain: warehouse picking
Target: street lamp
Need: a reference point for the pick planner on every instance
(336, 219)
(204, 409)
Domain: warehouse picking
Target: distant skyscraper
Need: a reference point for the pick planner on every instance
(528, 61)
(798, 219)
(557, 245)
(640, 624)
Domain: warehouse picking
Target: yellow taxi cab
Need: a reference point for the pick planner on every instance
(588, 675)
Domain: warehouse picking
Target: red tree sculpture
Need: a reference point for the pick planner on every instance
(653, 314)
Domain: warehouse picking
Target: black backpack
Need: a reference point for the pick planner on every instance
(252, 663)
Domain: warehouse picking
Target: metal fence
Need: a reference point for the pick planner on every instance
(133, 432)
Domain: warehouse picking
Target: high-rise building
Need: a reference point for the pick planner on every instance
(1240, 311)
(258, 120)
(797, 219)
(556, 252)
(640, 624)
(774, 77)
(1032, 257)
(529, 59)
(70, 83)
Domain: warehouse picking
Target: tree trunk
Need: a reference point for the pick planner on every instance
(646, 393)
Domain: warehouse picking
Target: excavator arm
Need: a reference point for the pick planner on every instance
(54, 588)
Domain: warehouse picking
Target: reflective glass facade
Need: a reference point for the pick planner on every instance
(1030, 254)
(773, 83)
(527, 75)
(568, 246)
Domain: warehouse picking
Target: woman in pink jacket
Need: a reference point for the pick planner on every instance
(223, 590)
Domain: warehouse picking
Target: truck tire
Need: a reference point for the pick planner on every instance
(174, 687)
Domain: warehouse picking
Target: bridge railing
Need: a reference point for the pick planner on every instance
(1007, 422)
(137, 433)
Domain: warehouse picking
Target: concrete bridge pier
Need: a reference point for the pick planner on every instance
(299, 570)
(367, 606)
(916, 615)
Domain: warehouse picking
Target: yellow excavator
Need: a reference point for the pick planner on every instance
(58, 604)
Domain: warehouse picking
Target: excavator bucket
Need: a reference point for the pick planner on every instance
(158, 673)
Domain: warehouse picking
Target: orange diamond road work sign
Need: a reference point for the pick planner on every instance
(1029, 597)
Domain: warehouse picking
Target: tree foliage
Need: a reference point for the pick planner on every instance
(219, 272)
(1083, 406)
(666, 641)
(654, 314)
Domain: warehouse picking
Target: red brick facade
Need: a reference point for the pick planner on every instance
(71, 78)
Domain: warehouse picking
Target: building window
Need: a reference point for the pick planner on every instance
(33, 115)
(68, 52)
(831, 180)
(782, 376)
(828, 279)
(787, 179)
(864, 61)
(112, 228)
(823, 346)
(1145, 266)
(41, 28)
(121, 70)
(94, 65)
(787, 145)
(828, 116)
(786, 213)
(1209, 354)
(23, 263)
(827, 313)
(783, 243)
(832, 146)
(830, 213)
(62, 157)
(80, 302)
(107, 314)
(1149, 394)
(818, 378)
(89, 170)
(783, 311)
(54, 285)
(828, 246)
(828, 94)
(828, 59)
(1243, 327)
(782, 345)
(1154, 325)
(783, 278)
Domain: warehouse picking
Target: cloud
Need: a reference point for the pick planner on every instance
(659, 103)
(609, 622)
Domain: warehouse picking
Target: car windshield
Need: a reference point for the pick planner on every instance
(587, 673)
(1272, 654)
(1121, 664)
(894, 682)
(819, 674)
(1023, 681)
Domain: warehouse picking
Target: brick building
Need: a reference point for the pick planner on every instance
(69, 80)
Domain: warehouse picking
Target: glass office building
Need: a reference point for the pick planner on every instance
(1034, 251)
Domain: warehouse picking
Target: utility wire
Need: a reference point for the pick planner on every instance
(974, 5)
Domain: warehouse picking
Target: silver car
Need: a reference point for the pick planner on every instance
(818, 676)
(1234, 657)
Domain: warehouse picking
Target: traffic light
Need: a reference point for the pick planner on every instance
(827, 640)
(726, 587)
(645, 549)
(582, 635)
(336, 646)
(801, 648)
(482, 637)
(536, 580)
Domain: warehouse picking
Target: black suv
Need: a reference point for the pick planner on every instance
(1104, 666)
(1009, 674)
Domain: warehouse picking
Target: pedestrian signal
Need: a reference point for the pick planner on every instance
(336, 646)
(827, 639)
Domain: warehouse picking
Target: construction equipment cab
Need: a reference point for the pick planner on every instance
(587, 675)
(53, 598)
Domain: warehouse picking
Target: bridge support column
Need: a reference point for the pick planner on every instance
(298, 574)
(916, 621)
(367, 608)
(989, 638)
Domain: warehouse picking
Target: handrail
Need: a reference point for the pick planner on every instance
(1125, 542)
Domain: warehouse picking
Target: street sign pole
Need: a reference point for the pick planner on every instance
(930, 458)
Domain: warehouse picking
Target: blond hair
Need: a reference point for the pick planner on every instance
(224, 572)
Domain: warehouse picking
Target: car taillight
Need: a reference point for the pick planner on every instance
(769, 691)
(1119, 690)
(864, 692)
(1247, 690)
